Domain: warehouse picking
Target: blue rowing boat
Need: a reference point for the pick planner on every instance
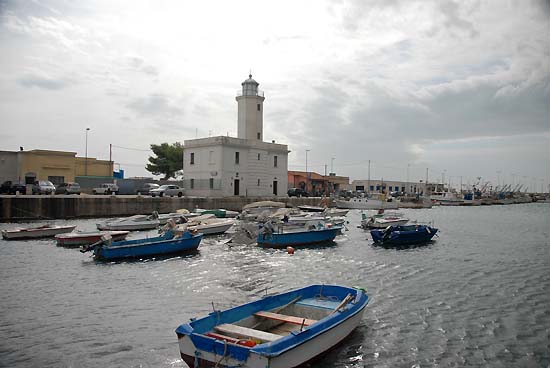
(297, 237)
(403, 235)
(147, 247)
(283, 330)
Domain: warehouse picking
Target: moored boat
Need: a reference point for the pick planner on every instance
(206, 224)
(307, 208)
(315, 235)
(403, 235)
(283, 330)
(45, 231)
(220, 213)
(374, 202)
(84, 238)
(136, 222)
(162, 245)
(382, 220)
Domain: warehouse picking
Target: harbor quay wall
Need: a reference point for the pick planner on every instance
(33, 207)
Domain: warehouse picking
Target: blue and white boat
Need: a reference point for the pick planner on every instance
(403, 235)
(297, 237)
(279, 331)
(145, 247)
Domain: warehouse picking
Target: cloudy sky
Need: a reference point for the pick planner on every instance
(461, 88)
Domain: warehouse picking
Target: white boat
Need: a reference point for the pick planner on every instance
(206, 224)
(164, 217)
(137, 222)
(374, 202)
(383, 220)
(335, 212)
(259, 211)
(85, 238)
(44, 231)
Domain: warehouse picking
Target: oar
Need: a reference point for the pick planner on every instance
(346, 300)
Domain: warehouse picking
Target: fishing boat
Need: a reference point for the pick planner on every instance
(136, 222)
(161, 245)
(382, 220)
(297, 237)
(279, 331)
(373, 202)
(418, 201)
(45, 231)
(403, 235)
(84, 238)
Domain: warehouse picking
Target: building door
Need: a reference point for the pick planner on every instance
(236, 187)
(275, 187)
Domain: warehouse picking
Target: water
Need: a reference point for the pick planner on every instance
(477, 296)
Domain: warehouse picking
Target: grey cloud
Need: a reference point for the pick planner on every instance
(30, 81)
(154, 105)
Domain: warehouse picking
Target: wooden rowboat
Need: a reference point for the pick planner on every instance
(45, 231)
(84, 238)
(279, 331)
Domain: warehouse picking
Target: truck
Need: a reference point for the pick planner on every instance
(106, 188)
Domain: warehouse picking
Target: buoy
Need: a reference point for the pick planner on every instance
(290, 250)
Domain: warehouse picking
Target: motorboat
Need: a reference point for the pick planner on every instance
(382, 220)
(207, 224)
(44, 231)
(220, 213)
(403, 235)
(296, 237)
(372, 202)
(162, 245)
(283, 330)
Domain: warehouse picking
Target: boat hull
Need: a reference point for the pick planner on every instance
(212, 229)
(148, 249)
(299, 238)
(421, 234)
(293, 350)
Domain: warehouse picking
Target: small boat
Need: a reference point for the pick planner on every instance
(45, 231)
(309, 236)
(162, 245)
(307, 208)
(220, 213)
(260, 211)
(283, 330)
(164, 217)
(418, 201)
(206, 224)
(137, 222)
(403, 235)
(382, 220)
(335, 212)
(84, 238)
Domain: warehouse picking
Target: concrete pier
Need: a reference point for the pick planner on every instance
(33, 207)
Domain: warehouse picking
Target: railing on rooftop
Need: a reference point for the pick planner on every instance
(250, 93)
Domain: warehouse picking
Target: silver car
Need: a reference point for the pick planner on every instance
(167, 190)
(43, 187)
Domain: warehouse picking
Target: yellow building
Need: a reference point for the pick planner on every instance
(55, 166)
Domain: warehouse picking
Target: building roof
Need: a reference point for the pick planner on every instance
(250, 81)
(235, 142)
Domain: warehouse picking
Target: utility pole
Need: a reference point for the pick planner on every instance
(368, 183)
(86, 158)
(408, 166)
(326, 169)
(332, 165)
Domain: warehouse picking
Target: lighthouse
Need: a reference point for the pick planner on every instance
(250, 102)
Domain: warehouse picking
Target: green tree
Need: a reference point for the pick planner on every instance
(168, 160)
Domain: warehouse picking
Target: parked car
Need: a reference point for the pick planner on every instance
(8, 187)
(106, 188)
(146, 188)
(297, 192)
(68, 188)
(167, 190)
(43, 187)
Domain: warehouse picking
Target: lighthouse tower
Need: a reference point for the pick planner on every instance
(250, 111)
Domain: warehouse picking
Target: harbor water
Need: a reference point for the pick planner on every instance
(477, 296)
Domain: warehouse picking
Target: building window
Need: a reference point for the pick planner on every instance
(371, 188)
(259, 135)
(211, 183)
(258, 106)
(402, 189)
(236, 158)
(192, 158)
(258, 182)
(192, 183)
(258, 157)
(274, 161)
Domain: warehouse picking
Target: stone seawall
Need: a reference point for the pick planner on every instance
(17, 208)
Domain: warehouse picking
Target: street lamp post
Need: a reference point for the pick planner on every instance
(307, 176)
(86, 157)
(332, 165)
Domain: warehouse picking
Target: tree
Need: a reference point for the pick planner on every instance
(168, 160)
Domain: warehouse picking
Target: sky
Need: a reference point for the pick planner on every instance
(458, 89)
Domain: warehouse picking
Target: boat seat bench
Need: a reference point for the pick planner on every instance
(247, 332)
(285, 318)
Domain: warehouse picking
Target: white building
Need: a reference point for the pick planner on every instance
(243, 166)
